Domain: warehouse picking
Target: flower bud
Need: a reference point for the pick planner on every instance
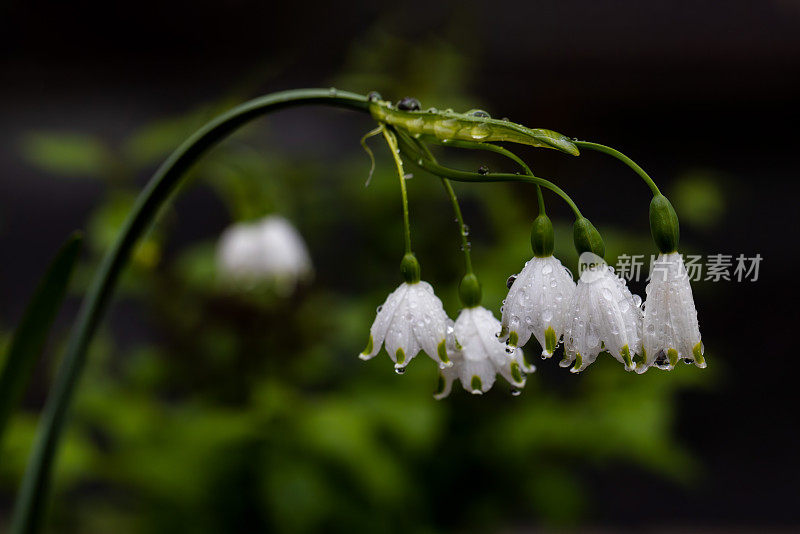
(587, 238)
(664, 224)
(409, 267)
(542, 237)
(469, 290)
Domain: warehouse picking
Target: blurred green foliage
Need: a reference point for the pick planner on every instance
(248, 413)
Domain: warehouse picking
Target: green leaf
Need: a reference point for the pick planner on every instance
(31, 334)
(67, 154)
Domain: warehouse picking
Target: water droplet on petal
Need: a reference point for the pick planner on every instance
(510, 281)
(399, 370)
(483, 170)
(515, 392)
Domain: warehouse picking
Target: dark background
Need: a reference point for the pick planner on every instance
(679, 86)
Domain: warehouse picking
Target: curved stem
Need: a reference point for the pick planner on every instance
(464, 176)
(391, 140)
(623, 158)
(497, 150)
(462, 228)
(29, 505)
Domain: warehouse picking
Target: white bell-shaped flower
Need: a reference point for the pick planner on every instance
(538, 303)
(412, 318)
(604, 316)
(480, 356)
(670, 330)
(267, 250)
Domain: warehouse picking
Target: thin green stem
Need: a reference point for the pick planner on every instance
(497, 150)
(465, 244)
(623, 158)
(462, 228)
(28, 509)
(391, 140)
(423, 162)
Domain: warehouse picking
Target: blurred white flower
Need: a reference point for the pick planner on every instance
(412, 318)
(670, 330)
(268, 250)
(479, 356)
(538, 304)
(603, 316)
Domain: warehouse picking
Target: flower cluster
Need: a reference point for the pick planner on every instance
(598, 314)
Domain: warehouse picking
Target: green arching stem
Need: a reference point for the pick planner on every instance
(448, 187)
(391, 140)
(623, 158)
(28, 508)
(465, 176)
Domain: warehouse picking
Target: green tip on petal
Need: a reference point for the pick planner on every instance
(516, 373)
(672, 355)
(513, 339)
(697, 351)
(550, 340)
(578, 364)
(441, 350)
(370, 345)
(400, 356)
(477, 385)
(625, 352)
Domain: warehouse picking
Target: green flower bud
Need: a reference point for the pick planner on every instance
(587, 238)
(664, 224)
(409, 267)
(542, 237)
(469, 290)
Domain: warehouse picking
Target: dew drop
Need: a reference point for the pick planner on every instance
(483, 170)
(408, 104)
(547, 269)
(515, 392)
(332, 91)
(510, 281)
(479, 132)
(374, 96)
(547, 316)
(464, 230)
(399, 370)
(378, 309)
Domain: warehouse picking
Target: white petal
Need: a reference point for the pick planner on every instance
(383, 320)
(430, 320)
(670, 330)
(539, 299)
(604, 316)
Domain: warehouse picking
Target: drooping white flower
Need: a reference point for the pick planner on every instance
(670, 329)
(412, 318)
(480, 356)
(604, 316)
(267, 250)
(538, 304)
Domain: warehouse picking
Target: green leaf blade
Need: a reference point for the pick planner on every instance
(30, 336)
